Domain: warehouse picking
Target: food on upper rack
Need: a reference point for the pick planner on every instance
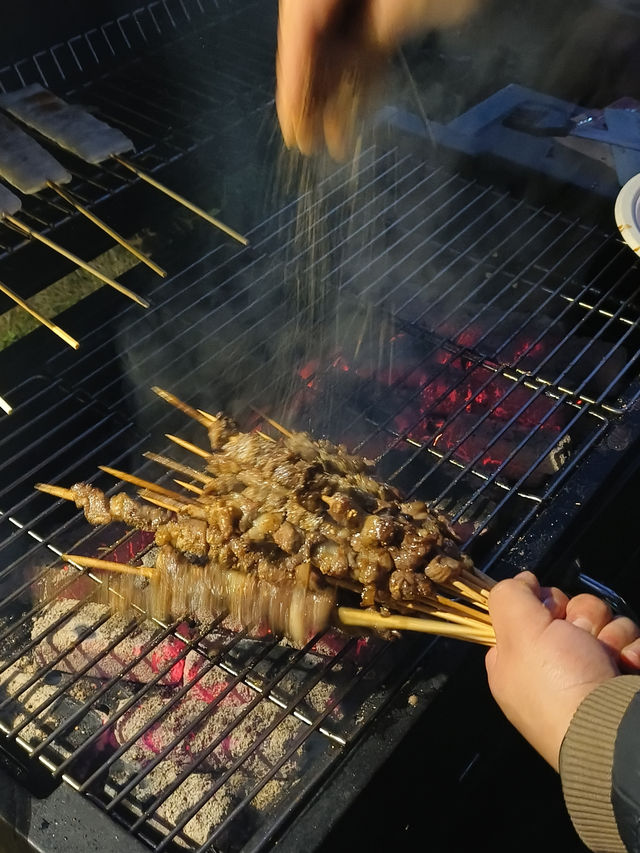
(9, 203)
(68, 125)
(75, 129)
(24, 163)
(274, 527)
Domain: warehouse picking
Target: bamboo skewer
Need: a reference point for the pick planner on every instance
(441, 606)
(189, 486)
(70, 199)
(39, 317)
(172, 465)
(144, 484)
(6, 407)
(458, 586)
(274, 424)
(108, 565)
(29, 232)
(486, 583)
(172, 505)
(188, 410)
(369, 619)
(462, 608)
(56, 491)
(180, 199)
(193, 448)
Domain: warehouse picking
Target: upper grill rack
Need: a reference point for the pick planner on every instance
(153, 112)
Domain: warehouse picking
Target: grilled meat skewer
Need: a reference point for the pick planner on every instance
(275, 509)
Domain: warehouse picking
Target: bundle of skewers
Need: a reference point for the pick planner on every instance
(274, 531)
(30, 169)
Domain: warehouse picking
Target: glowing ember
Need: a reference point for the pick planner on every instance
(463, 410)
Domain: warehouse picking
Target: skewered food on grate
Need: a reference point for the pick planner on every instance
(78, 131)
(9, 203)
(24, 163)
(275, 526)
(69, 126)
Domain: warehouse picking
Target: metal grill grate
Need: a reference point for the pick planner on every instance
(174, 109)
(429, 302)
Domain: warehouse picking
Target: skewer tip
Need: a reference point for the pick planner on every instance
(56, 491)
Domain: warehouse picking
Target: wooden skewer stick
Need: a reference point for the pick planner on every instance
(189, 486)
(458, 606)
(264, 435)
(471, 594)
(474, 582)
(211, 418)
(274, 424)
(56, 491)
(180, 507)
(449, 616)
(70, 199)
(172, 465)
(486, 581)
(37, 316)
(444, 607)
(170, 398)
(193, 448)
(108, 565)
(145, 484)
(181, 200)
(370, 619)
(6, 407)
(24, 229)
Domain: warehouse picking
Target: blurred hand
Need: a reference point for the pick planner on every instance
(550, 653)
(332, 52)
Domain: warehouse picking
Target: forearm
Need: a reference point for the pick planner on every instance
(587, 760)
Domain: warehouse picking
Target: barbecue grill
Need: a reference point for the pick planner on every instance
(483, 348)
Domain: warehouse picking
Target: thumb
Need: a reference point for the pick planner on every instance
(490, 660)
(517, 614)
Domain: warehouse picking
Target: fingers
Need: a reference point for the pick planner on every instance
(530, 580)
(517, 613)
(630, 655)
(619, 634)
(490, 660)
(554, 600)
(299, 28)
(589, 613)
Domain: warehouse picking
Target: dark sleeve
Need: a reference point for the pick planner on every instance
(586, 761)
(625, 777)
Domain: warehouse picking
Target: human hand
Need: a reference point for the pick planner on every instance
(550, 653)
(332, 52)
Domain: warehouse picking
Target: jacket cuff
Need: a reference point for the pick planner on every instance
(586, 758)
